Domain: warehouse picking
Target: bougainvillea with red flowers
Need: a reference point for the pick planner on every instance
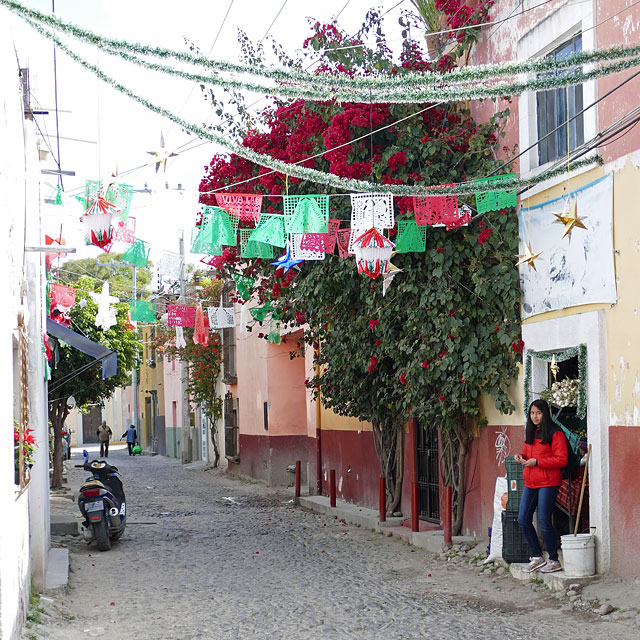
(385, 359)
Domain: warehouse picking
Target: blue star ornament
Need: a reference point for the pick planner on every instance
(286, 261)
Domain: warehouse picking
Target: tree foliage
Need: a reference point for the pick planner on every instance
(107, 267)
(76, 374)
(447, 330)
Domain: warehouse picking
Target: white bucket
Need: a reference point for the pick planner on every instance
(578, 553)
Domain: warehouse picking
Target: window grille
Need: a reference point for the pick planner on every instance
(231, 448)
(556, 106)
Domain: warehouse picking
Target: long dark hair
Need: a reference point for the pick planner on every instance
(547, 427)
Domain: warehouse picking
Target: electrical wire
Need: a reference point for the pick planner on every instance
(55, 93)
(272, 22)
(215, 40)
(595, 102)
(370, 133)
(322, 153)
(78, 371)
(346, 4)
(495, 171)
(598, 140)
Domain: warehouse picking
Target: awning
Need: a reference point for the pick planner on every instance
(108, 357)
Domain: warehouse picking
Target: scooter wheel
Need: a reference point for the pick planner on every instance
(102, 535)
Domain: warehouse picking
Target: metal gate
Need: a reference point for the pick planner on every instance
(427, 472)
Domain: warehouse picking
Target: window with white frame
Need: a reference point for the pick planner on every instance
(560, 129)
(567, 30)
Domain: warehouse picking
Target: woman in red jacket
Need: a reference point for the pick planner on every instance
(543, 457)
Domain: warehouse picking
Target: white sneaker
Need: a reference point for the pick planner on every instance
(552, 566)
(535, 564)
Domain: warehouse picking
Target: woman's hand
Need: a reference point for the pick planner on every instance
(531, 462)
(518, 458)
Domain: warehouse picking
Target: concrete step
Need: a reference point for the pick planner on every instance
(64, 525)
(57, 577)
(557, 581)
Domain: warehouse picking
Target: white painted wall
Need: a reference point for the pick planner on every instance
(14, 507)
(562, 333)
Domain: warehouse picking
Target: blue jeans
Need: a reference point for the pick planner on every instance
(543, 499)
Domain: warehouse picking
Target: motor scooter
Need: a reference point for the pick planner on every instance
(102, 503)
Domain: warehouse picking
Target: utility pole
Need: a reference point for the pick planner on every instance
(134, 372)
(186, 426)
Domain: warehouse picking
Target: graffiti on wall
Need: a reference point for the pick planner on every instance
(502, 444)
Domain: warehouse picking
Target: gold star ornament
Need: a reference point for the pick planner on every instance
(529, 257)
(388, 277)
(570, 220)
(161, 155)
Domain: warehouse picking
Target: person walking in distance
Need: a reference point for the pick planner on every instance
(543, 457)
(131, 437)
(104, 435)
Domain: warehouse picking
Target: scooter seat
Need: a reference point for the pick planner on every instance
(92, 484)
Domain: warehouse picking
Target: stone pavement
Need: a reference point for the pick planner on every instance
(209, 556)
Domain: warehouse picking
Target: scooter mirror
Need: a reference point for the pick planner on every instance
(85, 453)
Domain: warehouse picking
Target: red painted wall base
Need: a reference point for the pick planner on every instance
(267, 458)
(624, 501)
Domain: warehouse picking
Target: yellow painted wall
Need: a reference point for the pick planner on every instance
(150, 378)
(516, 395)
(622, 319)
(333, 422)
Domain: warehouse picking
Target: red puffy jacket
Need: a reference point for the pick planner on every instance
(551, 459)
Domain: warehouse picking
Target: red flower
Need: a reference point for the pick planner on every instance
(518, 346)
(452, 313)
(373, 365)
(484, 235)
(440, 250)
(450, 336)
(425, 364)
(378, 343)
(396, 160)
(403, 378)
(372, 324)
(441, 398)
(443, 353)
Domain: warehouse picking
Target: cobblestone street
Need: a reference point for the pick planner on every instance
(208, 556)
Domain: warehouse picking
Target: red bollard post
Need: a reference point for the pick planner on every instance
(297, 478)
(446, 516)
(332, 487)
(415, 508)
(382, 489)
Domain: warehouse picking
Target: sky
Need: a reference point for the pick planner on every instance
(101, 130)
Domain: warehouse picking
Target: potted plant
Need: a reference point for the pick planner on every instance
(28, 450)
